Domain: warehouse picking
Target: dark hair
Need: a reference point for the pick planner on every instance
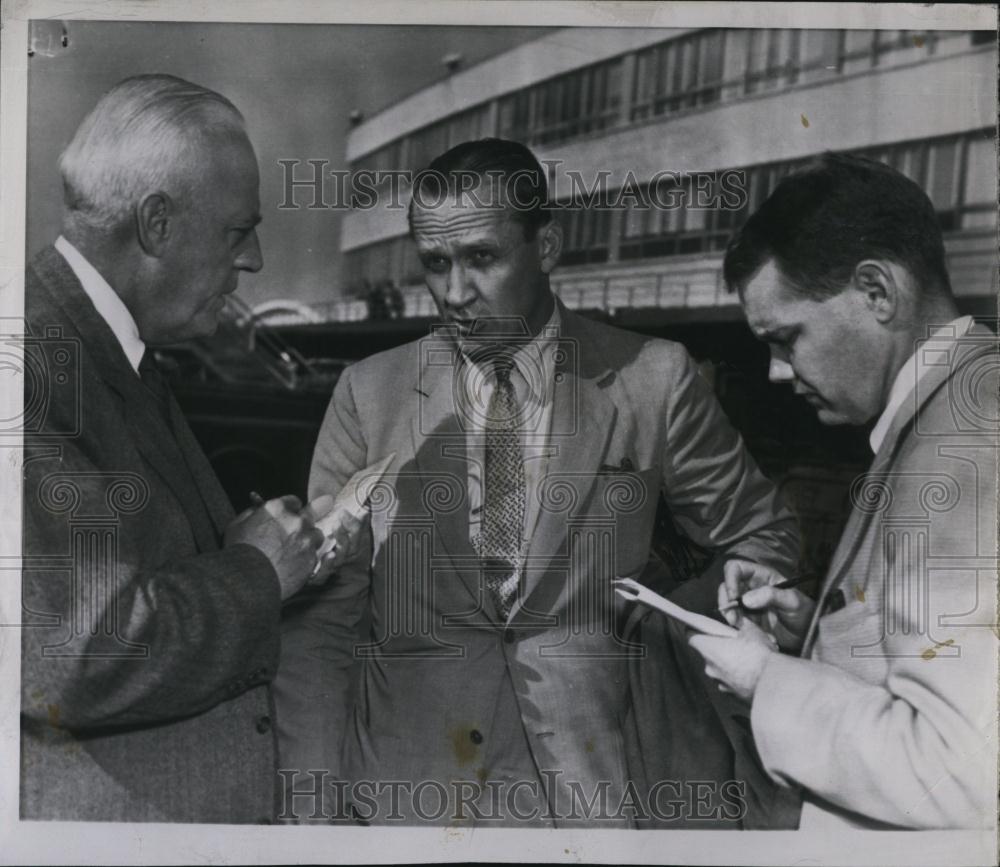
(515, 178)
(821, 221)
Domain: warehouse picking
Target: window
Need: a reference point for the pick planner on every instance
(679, 74)
(515, 115)
(426, 144)
(979, 194)
(942, 180)
(586, 234)
(963, 190)
(574, 104)
(386, 158)
(820, 53)
(468, 125)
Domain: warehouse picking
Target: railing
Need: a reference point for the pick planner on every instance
(691, 281)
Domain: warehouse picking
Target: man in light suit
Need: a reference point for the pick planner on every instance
(882, 709)
(150, 614)
(531, 448)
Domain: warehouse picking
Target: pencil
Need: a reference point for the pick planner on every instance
(781, 585)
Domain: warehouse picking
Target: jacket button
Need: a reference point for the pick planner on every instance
(476, 736)
(510, 636)
(264, 724)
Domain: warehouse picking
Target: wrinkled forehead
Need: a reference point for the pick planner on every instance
(455, 217)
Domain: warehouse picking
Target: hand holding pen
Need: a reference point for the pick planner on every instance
(759, 591)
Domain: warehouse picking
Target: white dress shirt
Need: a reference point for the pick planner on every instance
(110, 307)
(533, 378)
(929, 352)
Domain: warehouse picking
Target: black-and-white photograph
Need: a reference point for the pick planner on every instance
(464, 432)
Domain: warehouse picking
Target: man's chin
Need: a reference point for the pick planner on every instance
(831, 417)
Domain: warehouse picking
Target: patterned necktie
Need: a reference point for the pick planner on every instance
(504, 492)
(152, 377)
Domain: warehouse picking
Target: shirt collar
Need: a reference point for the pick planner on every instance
(110, 307)
(534, 359)
(913, 370)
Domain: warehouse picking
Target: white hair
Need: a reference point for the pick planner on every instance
(143, 136)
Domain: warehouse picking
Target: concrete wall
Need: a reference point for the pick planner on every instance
(936, 96)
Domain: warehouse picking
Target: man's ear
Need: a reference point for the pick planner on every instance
(550, 242)
(881, 283)
(154, 222)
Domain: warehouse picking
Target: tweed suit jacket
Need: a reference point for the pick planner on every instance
(889, 720)
(146, 648)
(445, 693)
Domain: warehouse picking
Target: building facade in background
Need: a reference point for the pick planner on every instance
(682, 116)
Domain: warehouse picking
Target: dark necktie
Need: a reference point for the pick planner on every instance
(503, 492)
(156, 384)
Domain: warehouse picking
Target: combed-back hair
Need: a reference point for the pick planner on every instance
(509, 171)
(142, 136)
(839, 210)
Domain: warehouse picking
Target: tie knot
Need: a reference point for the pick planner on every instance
(502, 367)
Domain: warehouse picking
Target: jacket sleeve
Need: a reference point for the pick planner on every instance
(314, 687)
(111, 636)
(714, 488)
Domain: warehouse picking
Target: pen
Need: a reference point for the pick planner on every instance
(781, 585)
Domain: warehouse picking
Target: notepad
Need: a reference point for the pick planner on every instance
(351, 503)
(631, 589)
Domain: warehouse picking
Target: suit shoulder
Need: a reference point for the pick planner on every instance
(387, 366)
(625, 349)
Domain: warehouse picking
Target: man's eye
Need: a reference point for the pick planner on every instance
(483, 257)
(436, 264)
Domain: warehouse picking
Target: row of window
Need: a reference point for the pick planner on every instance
(958, 173)
(579, 102)
(681, 73)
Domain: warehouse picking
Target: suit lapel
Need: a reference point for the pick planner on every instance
(440, 452)
(583, 417)
(860, 519)
(142, 416)
(164, 454)
(220, 510)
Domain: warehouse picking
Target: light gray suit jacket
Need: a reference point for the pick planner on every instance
(890, 719)
(444, 694)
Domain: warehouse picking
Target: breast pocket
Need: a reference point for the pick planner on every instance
(628, 500)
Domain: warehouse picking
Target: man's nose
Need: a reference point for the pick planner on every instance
(459, 290)
(780, 371)
(250, 258)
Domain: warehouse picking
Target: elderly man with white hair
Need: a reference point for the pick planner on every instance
(150, 612)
